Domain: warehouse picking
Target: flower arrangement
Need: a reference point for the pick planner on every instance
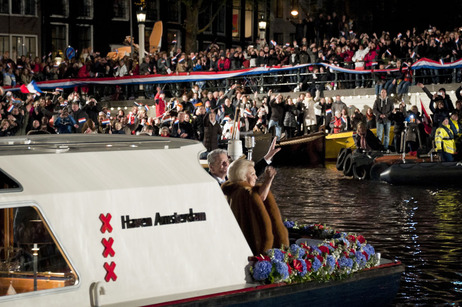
(339, 255)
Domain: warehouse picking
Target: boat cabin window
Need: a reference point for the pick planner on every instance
(8, 184)
(30, 257)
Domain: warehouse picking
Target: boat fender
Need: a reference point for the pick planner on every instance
(361, 172)
(361, 159)
(348, 165)
(341, 159)
(377, 169)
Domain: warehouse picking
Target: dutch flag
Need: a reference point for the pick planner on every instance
(274, 43)
(441, 62)
(106, 122)
(82, 120)
(31, 88)
(10, 109)
(329, 111)
(146, 108)
(247, 112)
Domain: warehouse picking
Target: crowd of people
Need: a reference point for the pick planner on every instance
(212, 116)
(339, 46)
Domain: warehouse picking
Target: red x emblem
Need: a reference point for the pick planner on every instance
(110, 271)
(106, 219)
(108, 247)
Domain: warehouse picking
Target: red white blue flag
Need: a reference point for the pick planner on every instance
(31, 88)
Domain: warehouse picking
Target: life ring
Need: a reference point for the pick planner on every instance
(341, 159)
(377, 169)
(348, 165)
(361, 172)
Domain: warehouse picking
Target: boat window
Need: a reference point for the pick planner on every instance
(30, 257)
(8, 183)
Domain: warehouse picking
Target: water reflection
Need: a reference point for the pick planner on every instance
(420, 226)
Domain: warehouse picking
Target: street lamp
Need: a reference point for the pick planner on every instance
(141, 17)
(262, 27)
(294, 9)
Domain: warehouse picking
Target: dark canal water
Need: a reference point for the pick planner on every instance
(420, 226)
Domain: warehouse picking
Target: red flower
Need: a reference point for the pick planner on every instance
(320, 258)
(324, 249)
(351, 238)
(366, 255)
(308, 265)
(298, 265)
(333, 245)
(309, 256)
(263, 258)
(361, 239)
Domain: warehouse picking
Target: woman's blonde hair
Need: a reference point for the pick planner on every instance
(238, 170)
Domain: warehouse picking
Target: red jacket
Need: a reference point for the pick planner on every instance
(223, 64)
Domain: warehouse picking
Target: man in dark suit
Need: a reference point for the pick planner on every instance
(218, 162)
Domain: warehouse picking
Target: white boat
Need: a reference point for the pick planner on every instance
(124, 221)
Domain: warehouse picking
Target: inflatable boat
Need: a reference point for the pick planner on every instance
(425, 173)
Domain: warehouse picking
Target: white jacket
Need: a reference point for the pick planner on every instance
(358, 57)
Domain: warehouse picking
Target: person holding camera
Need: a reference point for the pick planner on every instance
(65, 122)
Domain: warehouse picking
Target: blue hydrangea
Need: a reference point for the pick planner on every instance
(281, 268)
(360, 259)
(316, 265)
(329, 247)
(345, 262)
(369, 249)
(262, 270)
(275, 253)
(289, 224)
(330, 262)
(314, 248)
(297, 251)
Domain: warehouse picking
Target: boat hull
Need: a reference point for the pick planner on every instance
(376, 286)
(423, 173)
(307, 150)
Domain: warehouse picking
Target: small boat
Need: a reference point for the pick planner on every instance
(370, 165)
(306, 150)
(423, 173)
(98, 220)
(335, 142)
